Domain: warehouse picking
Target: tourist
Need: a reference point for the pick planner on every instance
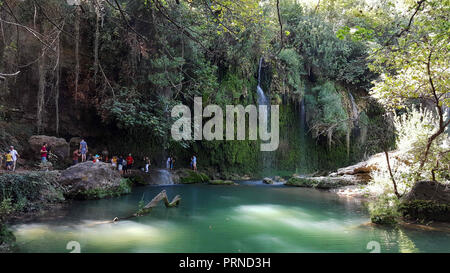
(89, 158)
(124, 166)
(168, 162)
(147, 163)
(9, 161)
(105, 155)
(83, 149)
(130, 162)
(15, 155)
(76, 155)
(194, 163)
(172, 162)
(44, 153)
(114, 162)
(120, 164)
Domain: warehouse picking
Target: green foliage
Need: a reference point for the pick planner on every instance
(293, 68)
(384, 211)
(194, 177)
(23, 192)
(327, 113)
(99, 193)
(6, 236)
(425, 210)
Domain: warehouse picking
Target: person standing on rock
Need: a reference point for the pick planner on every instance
(147, 163)
(9, 161)
(130, 162)
(44, 153)
(120, 164)
(105, 155)
(124, 166)
(15, 155)
(76, 155)
(83, 149)
(172, 162)
(168, 162)
(194, 162)
(114, 162)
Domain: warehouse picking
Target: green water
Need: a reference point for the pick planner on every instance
(250, 217)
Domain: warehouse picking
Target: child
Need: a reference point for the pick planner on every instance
(114, 162)
(9, 161)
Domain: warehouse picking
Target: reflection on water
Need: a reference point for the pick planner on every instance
(245, 218)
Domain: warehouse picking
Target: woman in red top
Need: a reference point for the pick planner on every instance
(130, 162)
(44, 153)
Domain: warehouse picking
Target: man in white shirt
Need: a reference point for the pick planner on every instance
(15, 155)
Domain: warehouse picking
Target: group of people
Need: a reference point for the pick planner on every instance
(11, 159)
(120, 163)
(170, 163)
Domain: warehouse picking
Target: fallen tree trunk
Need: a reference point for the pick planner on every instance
(155, 201)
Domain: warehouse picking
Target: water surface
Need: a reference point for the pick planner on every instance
(250, 217)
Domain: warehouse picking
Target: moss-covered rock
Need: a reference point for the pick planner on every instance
(191, 177)
(427, 201)
(124, 187)
(425, 210)
(221, 182)
(301, 182)
(320, 182)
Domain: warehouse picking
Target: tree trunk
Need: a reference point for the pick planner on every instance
(386, 153)
(162, 196)
(96, 39)
(41, 73)
(58, 75)
(77, 49)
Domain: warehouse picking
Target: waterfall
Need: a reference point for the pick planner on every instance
(262, 98)
(354, 109)
(163, 177)
(267, 157)
(303, 144)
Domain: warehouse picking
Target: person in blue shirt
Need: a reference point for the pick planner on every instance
(83, 150)
(194, 162)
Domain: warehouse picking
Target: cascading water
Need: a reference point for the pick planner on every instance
(267, 157)
(164, 177)
(354, 109)
(303, 144)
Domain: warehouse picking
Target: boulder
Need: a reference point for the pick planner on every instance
(267, 180)
(89, 180)
(58, 146)
(74, 142)
(279, 179)
(429, 191)
(427, 201)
